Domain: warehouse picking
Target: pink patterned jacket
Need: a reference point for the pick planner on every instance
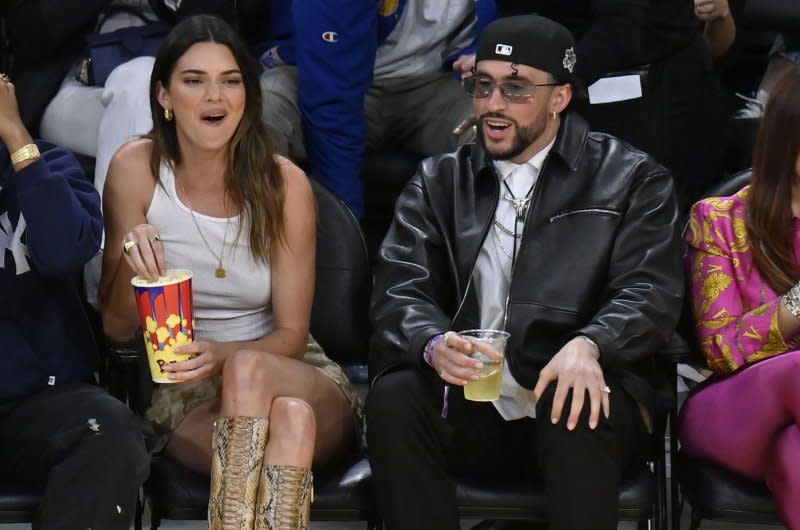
(735, 309)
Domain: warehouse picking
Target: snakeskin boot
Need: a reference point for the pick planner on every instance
(237, 453)
(284, 498)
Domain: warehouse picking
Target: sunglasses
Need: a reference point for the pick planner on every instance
(481, 87)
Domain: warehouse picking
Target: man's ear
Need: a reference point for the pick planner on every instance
(562, 95)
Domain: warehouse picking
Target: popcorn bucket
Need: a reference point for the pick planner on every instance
(166, 316)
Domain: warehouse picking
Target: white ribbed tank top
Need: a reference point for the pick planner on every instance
(237, 307)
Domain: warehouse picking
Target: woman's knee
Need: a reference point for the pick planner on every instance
(292, 420)
(248, 373)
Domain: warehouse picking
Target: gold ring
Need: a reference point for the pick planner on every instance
(128, 245)
(442, 374)
(446, 337)
(4, 77)
(606, 389)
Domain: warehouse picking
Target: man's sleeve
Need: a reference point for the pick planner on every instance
(412, 287)
(61, 208)
(645, 279)
(335, 44)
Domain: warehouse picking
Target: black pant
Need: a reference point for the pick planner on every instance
(83, 448)
(415, 453)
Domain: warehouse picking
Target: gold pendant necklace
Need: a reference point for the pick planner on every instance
(220, 272)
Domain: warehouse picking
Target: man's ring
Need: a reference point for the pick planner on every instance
(155, 239)
(442, 374)
(606, 389)
(5, 78)
(445, 338)
(128, 245)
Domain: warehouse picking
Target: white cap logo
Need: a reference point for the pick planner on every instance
(503, 49)
(569, 59)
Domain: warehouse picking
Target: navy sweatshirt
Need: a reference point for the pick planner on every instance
(50, 226)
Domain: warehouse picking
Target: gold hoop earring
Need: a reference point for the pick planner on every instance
(168, 114)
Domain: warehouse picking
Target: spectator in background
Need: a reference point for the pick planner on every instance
(683, 110)
(59, 431)
(342, 76)
(743, 264)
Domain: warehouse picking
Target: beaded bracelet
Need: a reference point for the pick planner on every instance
(428, 353)
(792, 301)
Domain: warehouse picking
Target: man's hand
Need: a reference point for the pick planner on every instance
(707, 10)
(451, 360)
(576, 366)
(464, 65)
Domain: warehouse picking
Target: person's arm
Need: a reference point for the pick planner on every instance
(730, 334)
(413, 297)
(60, 206)
(642, 300)
(126, 196)
(720, 28)
(336, 42)
(638, 311)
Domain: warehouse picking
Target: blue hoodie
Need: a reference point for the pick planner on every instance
(50, 226)
(333, 43)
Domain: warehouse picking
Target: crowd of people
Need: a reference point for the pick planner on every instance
(533, 213)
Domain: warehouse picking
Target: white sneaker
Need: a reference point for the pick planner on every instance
(753, 107)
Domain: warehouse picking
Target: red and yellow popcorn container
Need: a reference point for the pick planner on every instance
(166, 315)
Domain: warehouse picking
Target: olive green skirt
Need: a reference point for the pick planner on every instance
(172, 402)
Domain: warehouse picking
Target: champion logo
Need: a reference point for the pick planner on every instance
(503, 49)
(330, 36)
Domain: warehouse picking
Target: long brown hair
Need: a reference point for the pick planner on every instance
(253, 178)
(769, 211)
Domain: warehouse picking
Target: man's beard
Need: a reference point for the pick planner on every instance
(523, 138)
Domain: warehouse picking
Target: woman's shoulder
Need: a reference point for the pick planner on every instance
(719, 220)
(129, 170)
(294, 178)
(133, 153)
(731, 206)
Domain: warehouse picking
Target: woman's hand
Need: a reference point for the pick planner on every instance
(209, 358)
(144, 252)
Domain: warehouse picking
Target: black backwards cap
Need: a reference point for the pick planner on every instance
(531, 40)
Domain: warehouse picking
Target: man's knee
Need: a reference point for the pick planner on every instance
(544, 410)
(395, 398)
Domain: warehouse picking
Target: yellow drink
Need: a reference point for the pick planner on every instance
(487, 388)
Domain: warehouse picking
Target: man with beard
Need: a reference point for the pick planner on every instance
(562, 237)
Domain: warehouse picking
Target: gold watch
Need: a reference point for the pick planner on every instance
(26, 152)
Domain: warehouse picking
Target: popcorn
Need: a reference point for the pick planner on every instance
(166, 309)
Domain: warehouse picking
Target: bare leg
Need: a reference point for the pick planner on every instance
(255, 383)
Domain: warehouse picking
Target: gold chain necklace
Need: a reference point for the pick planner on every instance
(220, 272)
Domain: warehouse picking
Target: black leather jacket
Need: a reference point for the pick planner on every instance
(600, 257)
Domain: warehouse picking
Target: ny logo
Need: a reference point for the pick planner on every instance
(12, 240)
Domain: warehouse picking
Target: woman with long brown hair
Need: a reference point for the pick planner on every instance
(204, 191)
(744, 263)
